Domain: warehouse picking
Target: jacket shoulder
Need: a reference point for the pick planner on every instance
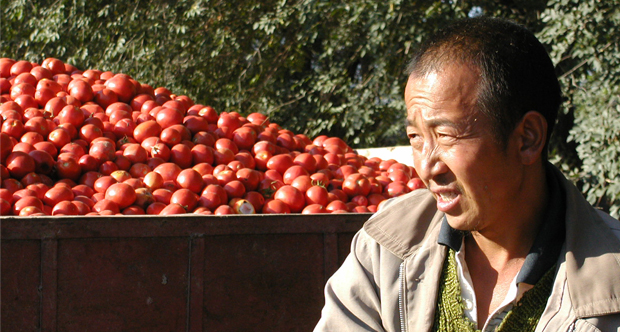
(404, 222)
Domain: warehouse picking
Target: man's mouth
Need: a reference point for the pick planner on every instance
(448, 197)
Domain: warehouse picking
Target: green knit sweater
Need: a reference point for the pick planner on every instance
(450, 313)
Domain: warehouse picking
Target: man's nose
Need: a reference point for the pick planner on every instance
(429, 164)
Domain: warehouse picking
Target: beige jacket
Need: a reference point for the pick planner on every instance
(389, 281)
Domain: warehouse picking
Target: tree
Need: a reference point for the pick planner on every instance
(585, 45)
(329, 67)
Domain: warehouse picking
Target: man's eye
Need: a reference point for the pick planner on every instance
(415, 140)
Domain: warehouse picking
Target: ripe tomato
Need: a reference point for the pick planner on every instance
(292, 197)
(19, 164)
(336, 205)
(186, 198)
(294, 172)
(68, 169)
(58, 194)
(146, 129)
(190, 179)
(356, 184)
(280, 163)
(102, 183)
(122, 194)
(202, 154)
(122, 86)
(395, 189)
(168, 171)
(250, 178)
(223, 156)
(316, 195)
(275, 206)
(65, 208)
(223, 210)
(234, 189)
(172, 209)
(256, 198)
(415, 183)
(155, 208)
(314, 208)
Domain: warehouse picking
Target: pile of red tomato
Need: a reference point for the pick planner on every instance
(98, 143)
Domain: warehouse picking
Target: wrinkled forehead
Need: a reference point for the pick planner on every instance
(454, 86)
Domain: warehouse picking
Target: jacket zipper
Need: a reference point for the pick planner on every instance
(401, 297)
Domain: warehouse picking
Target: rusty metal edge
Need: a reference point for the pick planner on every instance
(191, 225)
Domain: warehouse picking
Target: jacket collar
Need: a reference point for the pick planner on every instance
(592, 254)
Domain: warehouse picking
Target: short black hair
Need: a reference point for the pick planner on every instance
(516, 72)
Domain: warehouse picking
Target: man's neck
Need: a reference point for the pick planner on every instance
(495, 255)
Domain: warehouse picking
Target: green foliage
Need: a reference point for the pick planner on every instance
(329, 67)
(317, 67)
(586, 49)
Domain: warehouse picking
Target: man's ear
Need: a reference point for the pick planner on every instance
(532, 134)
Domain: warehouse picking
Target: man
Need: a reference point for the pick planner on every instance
(500, 241)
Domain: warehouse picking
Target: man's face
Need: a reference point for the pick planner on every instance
(455, 153)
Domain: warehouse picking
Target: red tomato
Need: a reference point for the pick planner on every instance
(375, 199)
(294, 172)
(234, 189)
(340, 195)
(122, 86)
(65, 208)
(415, 183)
(275, 206)
(102, 183)
(292, 197)
(13, 127)
(356, 184)
(256, 199)
(155, 208)
(249, 178)
(44, 162)
(172, 209)
(202, 154)
(139, 170)
(223, 156)
(190, 179)
(195, 124)
(359, 200)
(303, 183)
(218, 190)
(146, 129)
(186, 198)
(314, 208)
(122, 194)
(280, 163)
(223, 210)
(337, 205)
(395, 189)
(19, 164)
(68, 169)
(261, 158)
(168, 171)
(244, 137)
(25, 202)
(316, 195)
(320, 178)
(57, 194)
(163, 195)
(153, 180)
(102, 150)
